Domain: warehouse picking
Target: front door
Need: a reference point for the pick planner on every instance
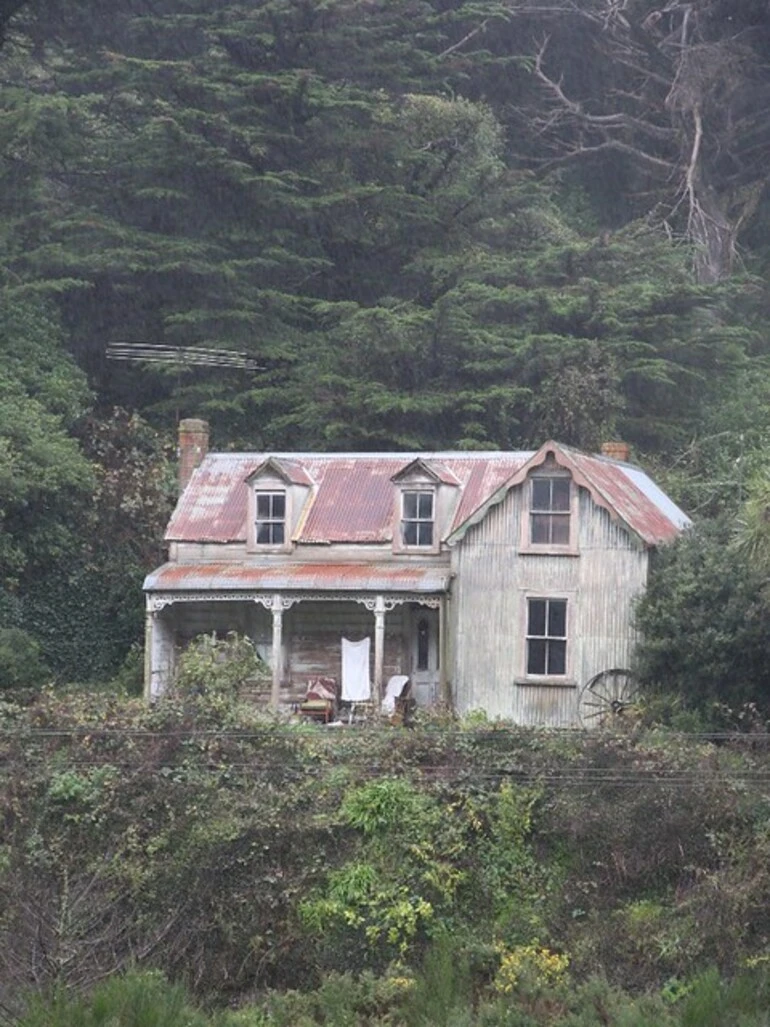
(425, 651)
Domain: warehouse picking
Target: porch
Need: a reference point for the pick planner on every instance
(299, 633)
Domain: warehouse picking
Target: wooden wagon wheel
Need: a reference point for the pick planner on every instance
(609, 694)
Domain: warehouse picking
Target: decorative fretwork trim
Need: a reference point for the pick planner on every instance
(159, 601)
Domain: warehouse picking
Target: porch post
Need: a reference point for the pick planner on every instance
(275, 688)
(443, 650)
(148, 652)
(379, 650)
(159, 654)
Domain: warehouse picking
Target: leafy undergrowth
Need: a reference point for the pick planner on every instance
(289, 874)
(431, 999)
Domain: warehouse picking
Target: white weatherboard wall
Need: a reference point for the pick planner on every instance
(488, 611)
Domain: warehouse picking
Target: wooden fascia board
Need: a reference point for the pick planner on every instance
(413, 467)
(268, 465)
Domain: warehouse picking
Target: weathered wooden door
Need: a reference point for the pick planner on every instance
(425, 650)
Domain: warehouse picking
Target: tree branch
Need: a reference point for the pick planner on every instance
(466, 39)
(581, 150)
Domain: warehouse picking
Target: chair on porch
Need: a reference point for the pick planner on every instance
(396, 699)
(320, 702)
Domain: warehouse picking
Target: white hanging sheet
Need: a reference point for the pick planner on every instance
(356, 686)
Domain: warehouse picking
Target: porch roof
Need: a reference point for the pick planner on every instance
(304, 577)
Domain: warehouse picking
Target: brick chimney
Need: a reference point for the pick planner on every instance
(616, 450)
(193, 446)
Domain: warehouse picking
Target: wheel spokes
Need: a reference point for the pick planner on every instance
(607, 695)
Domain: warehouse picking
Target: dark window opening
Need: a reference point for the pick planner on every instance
(550, 511)
(271, 518)
(423, 644)
(417, 518)
(547, 637)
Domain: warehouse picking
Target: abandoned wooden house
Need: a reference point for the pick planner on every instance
(494, 581)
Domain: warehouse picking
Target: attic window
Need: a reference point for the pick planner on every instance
(271, 518)
(550, 511)
(417, 518)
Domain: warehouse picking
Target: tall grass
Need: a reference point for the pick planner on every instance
(136, 1000)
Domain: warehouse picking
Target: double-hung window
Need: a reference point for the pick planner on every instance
(547, 637)
(550, 511)
(271, 518)
(417, 518)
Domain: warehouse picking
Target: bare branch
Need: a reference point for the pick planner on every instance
(466, 39)
(581, 150)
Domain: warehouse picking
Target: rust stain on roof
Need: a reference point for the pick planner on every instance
(353, 497)
(634, 498)
(225, 576)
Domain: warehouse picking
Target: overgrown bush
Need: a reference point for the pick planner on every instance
(137, 1000)
(133, 1000)
(212, 672)
(21, 663)
(704, 622)
(250, 857)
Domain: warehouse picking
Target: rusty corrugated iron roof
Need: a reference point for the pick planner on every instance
(351, 498)
(634, 497)
(305, 577)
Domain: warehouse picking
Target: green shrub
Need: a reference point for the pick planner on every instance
(212, 671)
(136, 1000)
(441, 996)
(742, 1002)
(704, 621)
(21, 664)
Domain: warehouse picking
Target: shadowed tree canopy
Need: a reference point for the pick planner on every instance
(447, 223)
(7, 10)
(331, 188)
(671, 97)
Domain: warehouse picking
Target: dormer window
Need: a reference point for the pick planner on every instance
(550, 510)
(270, 519)
(278, 494)
(417, 518)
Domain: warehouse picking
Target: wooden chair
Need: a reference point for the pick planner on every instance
(320, 702)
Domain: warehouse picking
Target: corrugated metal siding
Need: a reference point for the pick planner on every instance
(482, 478)
(488, 611)
(598, 530)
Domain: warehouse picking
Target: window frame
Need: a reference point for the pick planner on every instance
(417, 519)
(554, 617)
(569, 596)
(272, 493)
(530, 511)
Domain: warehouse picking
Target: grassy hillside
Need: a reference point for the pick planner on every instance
(284, 868)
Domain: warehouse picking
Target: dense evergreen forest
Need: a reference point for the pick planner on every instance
(457, 224)
(431, 223)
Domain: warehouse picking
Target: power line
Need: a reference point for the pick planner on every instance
(524, 735)
(183, 356)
